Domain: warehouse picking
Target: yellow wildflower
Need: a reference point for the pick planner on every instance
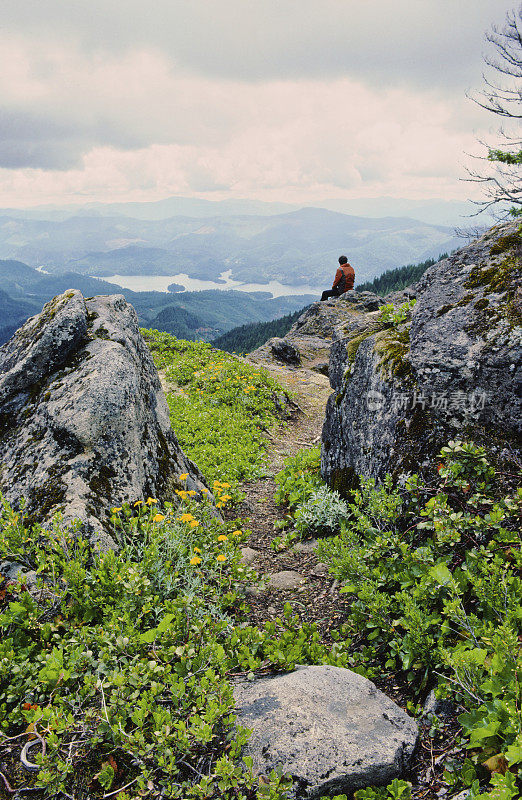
(225, 485)
(138, 503)
(150, 501)
(197, 550)
(222, 538)
(158, 517)
(116, 509)
(185, 518)
(182, 493)
(236, 533)
(225, 497)
(194, 523)
(195, 560)
(191, 493)
(221, 557)
(183, 476)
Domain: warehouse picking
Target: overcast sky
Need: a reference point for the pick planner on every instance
(293, 100)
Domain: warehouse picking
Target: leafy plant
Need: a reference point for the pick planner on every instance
(299, 478)
(433, 573)
(392, 317)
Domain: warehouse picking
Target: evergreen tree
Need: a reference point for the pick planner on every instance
(394, 280)
(246, 338)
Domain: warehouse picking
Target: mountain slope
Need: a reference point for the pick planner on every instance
(192, 315)
(292, 247)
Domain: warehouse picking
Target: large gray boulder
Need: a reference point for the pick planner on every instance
(330, 728)
(451, 370)
(84, 424)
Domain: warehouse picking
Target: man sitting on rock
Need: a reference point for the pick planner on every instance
(343, 281)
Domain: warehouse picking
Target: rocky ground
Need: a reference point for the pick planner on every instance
(293, 576)
(297, 577)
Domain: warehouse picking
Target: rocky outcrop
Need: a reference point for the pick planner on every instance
(330, 728)
(285, 351)
(309, 340)
(451, 369)
(84, 423)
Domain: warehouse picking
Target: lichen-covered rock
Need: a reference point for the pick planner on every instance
(330, 728)
(451, 369)
(84, 423)
(312, 335)
(285, 351)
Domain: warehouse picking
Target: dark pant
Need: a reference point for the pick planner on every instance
(329, 293)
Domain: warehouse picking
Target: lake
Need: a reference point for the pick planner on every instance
(160, 283)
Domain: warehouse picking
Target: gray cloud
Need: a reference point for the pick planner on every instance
(56, 141)
(28, 140)
(239, 95)
(421, 43)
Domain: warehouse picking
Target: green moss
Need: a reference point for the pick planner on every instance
(6, 424)
(497, 278)
(466, 300)
(501, 278)
(101, 482)
(444, 309)
(102, 333)
(393, 346)
(514, 313)
(47, 498)
(463, 302)
(48, 313)
(344, 480)
(481, 323)
(505, 243)
(167, 481)
(353, 345)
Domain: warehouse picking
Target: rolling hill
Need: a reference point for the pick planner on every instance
(291, 247)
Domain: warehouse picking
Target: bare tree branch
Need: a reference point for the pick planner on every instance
(502, 96)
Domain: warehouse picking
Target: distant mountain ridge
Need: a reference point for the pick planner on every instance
(292, 247)
(434, 211)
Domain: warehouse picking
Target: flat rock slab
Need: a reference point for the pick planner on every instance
(286, 579)
(249, 555)
(330, 728)
(307, 546)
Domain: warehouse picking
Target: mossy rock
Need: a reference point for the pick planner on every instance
(392, 346)
(505, 243)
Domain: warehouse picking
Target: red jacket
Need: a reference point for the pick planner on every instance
(350, 276)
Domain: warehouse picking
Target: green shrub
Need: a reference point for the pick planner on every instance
(392, 317)
(300, 476)
(433, 573)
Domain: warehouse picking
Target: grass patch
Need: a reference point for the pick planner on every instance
(220, 406)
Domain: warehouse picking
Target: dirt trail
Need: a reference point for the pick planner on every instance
(315, 598)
